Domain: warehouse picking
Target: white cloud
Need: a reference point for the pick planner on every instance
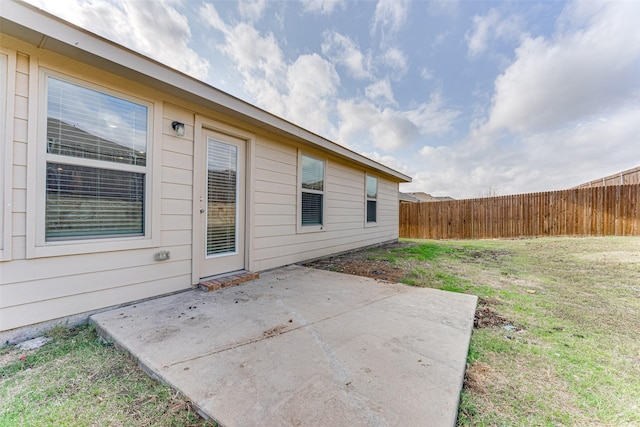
(389, 16)
(492, 26)
(380, 90)
(344, 51)
(252, 10)
(302, 92)
(426, 73)
(324, 7)
(396, 59)
(443, 7)
(431, 117)
(390, 129)
(544, 161)
(577, 74)
(386, 128)
(390, 161)
(311, 85)
(127, 23)
(562, 113)
(478, 37)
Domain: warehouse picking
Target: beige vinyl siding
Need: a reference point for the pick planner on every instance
(276, 240)
(20, 133)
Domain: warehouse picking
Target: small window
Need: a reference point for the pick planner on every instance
(96, 163)
(312, 191)
(372, 199)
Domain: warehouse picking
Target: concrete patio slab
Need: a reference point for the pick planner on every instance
(305, 347)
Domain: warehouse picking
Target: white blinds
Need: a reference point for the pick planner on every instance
(311, 209)
(222, 167)
(96, 164)
(89, 202)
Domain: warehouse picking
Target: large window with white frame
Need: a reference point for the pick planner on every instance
(312, 187)
(372, 199)
(96, 162)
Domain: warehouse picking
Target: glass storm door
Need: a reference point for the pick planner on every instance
(222, 212)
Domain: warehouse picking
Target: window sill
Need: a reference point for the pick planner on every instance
(311, 229)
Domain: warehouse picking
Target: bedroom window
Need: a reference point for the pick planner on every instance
(312, 188)
(96, 163)
(372, 199)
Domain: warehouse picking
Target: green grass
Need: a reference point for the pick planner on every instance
(75, 380)
(575, 357)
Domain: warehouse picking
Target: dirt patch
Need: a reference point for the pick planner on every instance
(377, 269)
(476, 377)
(364, 263)
(485, 316)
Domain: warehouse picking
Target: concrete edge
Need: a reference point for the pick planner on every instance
(150, 371)
(465, 363)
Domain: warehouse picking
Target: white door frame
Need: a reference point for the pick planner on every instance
(203, 124)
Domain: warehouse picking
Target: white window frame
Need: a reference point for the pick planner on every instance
(312, 228)
(7, 81)
(37, 245)
(367, 199)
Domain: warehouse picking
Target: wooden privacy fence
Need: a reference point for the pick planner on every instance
(595, 211)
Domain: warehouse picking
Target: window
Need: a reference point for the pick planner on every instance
(96, 163)
(372, 199)
(312, 177)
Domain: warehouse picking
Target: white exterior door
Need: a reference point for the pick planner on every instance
(221, 215)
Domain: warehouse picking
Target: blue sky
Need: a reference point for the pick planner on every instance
(468, 98)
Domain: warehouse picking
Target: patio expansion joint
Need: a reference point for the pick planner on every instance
(267, 335)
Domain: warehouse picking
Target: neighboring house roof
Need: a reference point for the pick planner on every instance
(404, 197)
(426, 197)
(33, 25)
(629, 176)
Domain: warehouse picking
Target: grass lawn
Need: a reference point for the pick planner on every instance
(557, 336)
(76, 380)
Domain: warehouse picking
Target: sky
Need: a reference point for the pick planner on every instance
(469, 98)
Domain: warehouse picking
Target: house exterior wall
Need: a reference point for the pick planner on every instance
(279, 240)
(41, 282)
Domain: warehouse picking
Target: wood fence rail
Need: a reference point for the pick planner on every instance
(595, 211)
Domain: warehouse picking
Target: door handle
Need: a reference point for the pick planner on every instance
(201, 210)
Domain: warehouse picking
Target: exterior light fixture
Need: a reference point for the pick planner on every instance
(178, 128)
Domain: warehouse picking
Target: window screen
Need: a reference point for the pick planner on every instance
(96, 163)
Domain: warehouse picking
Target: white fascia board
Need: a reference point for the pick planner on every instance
(31, 24)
